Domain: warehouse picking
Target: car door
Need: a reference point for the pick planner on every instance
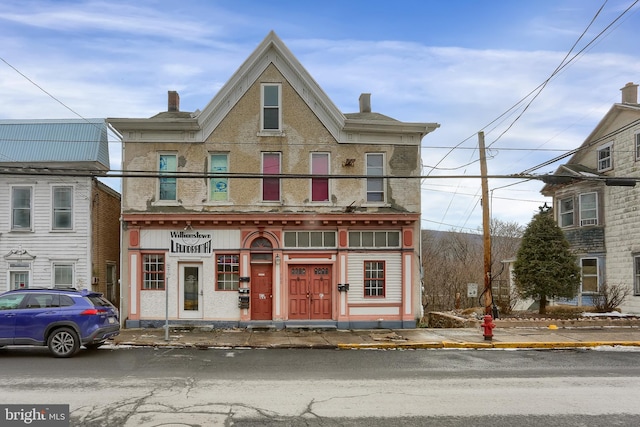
(33, 317)
(9, 304)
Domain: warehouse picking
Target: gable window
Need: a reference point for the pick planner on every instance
(63, 275)
(588, 209)
(605, 157)
(228, 272)
(637, 136)
(375, 182)
(589, 273)
(636, 275)
(374, 280)
(153, 271)
(62, 208)
(219, 186)
(271, 95)
(566, 212)
(168, 185)
(271, 186)
(320, 186)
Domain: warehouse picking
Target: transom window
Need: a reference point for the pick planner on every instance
(153, 271)
(374, 278)
(168, 185)
(219, 186)
(228, 272)
(374, 239)
(375, 180)
(271, 107)
(62, 208)
(588, 209)
(320, 186)
(310, 239)
(271, 186)
(566, 212)
(21, 208)
(605, 157)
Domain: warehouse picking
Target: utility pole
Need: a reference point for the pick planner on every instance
(486, 226)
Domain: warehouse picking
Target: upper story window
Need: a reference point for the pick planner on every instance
(566, 212)
(62, 208)
(375, 180)
(271, 186)
(219, 187)
(588, 209)
(605, 157)
(21, 208)
(168, 164)
(271, 107)
(637, 138)
(320, 186)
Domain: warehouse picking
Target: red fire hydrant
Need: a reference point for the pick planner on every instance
(488, 326)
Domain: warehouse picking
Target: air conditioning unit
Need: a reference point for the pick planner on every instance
(95, 280)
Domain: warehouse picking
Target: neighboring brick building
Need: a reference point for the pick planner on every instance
(598, 209)
(271, 206)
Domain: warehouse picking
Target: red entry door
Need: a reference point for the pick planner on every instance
(309, 292)
(261, 292)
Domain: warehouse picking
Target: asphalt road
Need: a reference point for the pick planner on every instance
(153, 387)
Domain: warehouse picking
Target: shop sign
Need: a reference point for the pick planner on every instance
(190, 242)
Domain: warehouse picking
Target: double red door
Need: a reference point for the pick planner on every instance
(309, 292)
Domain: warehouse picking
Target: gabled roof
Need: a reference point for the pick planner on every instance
(273, 51)
(81, 142)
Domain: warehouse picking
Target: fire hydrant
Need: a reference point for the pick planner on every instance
(488, 326)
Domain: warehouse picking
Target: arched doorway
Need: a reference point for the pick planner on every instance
(261, 279)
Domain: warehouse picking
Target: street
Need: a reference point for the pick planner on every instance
(152, 387)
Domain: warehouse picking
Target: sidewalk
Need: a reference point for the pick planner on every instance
(503, 338)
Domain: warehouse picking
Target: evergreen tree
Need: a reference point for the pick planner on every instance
(545, 267)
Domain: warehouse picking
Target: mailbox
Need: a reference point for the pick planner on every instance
(243, 301)
(343, 287)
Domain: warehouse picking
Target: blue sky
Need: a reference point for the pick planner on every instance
(460, 63)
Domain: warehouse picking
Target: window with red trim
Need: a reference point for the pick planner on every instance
(153, 271)
(320, 186)
(271, 186)
(374, 278)
(228, 272)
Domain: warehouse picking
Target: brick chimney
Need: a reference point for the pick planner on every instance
(630, 93)
(174, 101)
(365, 103)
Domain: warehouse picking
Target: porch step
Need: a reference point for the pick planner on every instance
(311, 326)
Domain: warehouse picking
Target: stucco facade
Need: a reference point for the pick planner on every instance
(271, 206)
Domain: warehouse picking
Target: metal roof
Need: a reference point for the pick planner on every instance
(54, 140)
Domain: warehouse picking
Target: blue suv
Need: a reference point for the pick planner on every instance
(62, 319)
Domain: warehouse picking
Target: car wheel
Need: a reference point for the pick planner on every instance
(94, 346)
(63, 342)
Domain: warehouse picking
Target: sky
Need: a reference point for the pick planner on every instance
(534, 76)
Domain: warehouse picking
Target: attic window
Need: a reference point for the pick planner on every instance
(271, 107)
(605, 157)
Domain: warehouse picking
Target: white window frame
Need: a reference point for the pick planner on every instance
(15, 227)
(605, 162)
(55, 209)
(263, 107)
(566, 213)
(160, 173)
(328, 157)
(377, 176)
(583, 275)
(588, 221)
(218, 181)
(63, 264)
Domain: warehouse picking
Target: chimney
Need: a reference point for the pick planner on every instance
(174, 101)
(365, 103)
(630, 93)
